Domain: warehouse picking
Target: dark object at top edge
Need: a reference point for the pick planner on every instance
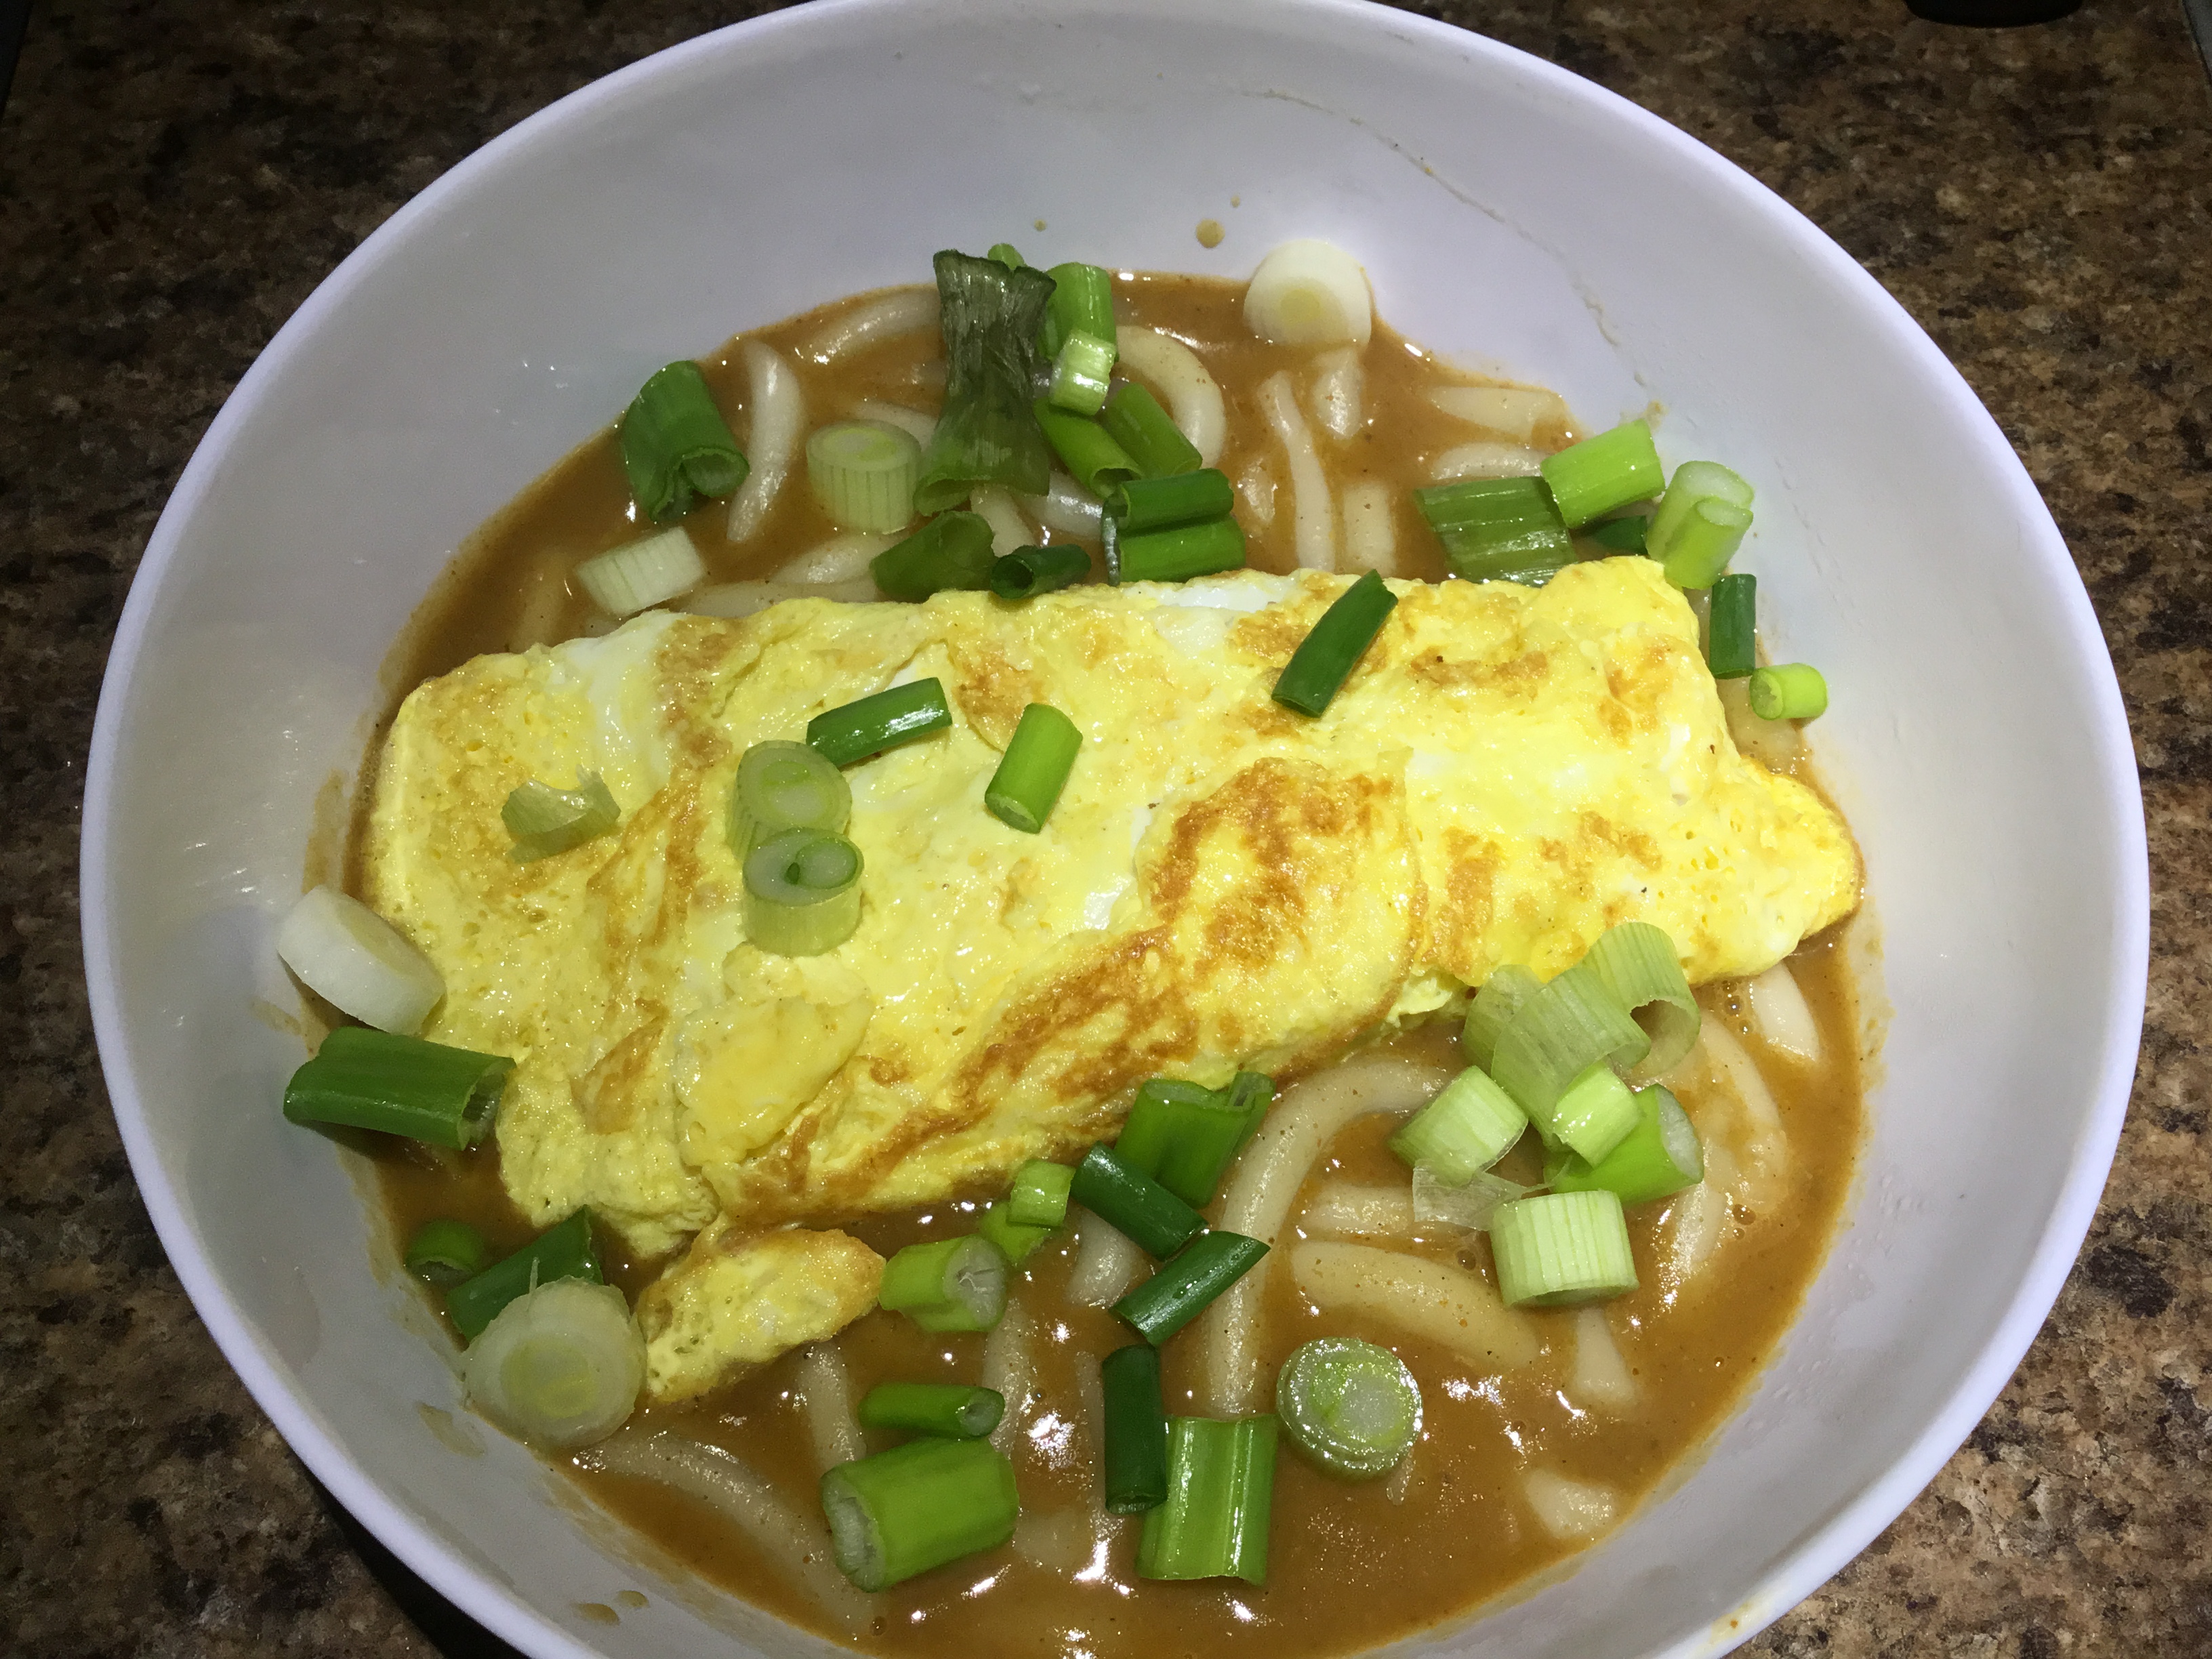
(1993, 14)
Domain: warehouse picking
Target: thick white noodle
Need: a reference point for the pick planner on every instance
(1342, 1209)
(1760, 1138)
(1746, 1153)
(795, 1538)
(1600, 1375)
(1570, 1509)
(825, 1390)
(778, 425)
(1009, 530)
(1486, 458)
(900, 311)
(1059, 1540)
(1693, 1223)
(1780, 1013)
(1066, 507)
(1446, 1306)
(1398, 1483)
(1264, 1184)
(1256, 486)
(1370, 526)
(734, 599)
(1511, 411)
(1339, 392)
(843, 558)
(1193, 398)
(1010, 1367)
(912, 421)
(1314, 514)
(1106, 1262)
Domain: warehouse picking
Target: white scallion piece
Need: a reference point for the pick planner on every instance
(560, 1365)
(863, 474)
(1069, 509)
(1310, 293)
(1780, 1014)
(1561, 1249)
(1486, 458)
(1312, 507)
(645, 573)
(1511, 411)
(1339, 392)
(358, 963)
(1194, 396)
(1467, 1205)
(778, 412)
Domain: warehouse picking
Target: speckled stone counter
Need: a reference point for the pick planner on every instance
(176, 176)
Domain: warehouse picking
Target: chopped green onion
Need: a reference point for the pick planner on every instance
(1082, 303)
(1497, 529)
(1638, 963)
(1034, 769)
(1039, 1198)
(1469, 1204)
(1099, 464)
(1732, 626)
(1326, 657)
(1493, 1009)
(863, 474)
(544, 820)
(1592, 1115)
(560, 1365)
(802, 892)
(357, 962)
(985, 434)
(1017, 1241)
(1560, 1249)
(1700, 521)
(1464, 1130)
(1028, 571)
(1660, 1157)
(1213, 1523)
(1182, 498)
(643, 574)
(951, 1411)
(676, 447)
(1599, 474)
(564, 1250)
(952, 551)
(1136, 1431)
(1186, 1284)
(868, 725)
(1079, 374)
(1570, 1024)
(1007, 255)
(1621, 535)
(1350, 1405)
(916, 1507)
(786, 786)
(1794, 691)
(1134, 419)
(953, 1284)
(1184, 1135)
(1177, 555)
(445, 1252)
(401, 1085)
(1132, 1202)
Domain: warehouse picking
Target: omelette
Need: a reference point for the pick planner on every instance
(1225, 883)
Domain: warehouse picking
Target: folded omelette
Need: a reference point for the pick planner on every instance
(1225, 883)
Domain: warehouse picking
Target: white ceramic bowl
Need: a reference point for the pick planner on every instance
(1505, 210)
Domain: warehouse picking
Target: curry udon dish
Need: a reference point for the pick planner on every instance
(1106, 949)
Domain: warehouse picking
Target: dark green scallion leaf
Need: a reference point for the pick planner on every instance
(951, 551)
(401, 1085)
(676, 447)
(564, 1250)
(1028, 571)
(1498, 529)
(986, 432)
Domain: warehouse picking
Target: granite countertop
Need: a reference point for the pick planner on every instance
(176, 176)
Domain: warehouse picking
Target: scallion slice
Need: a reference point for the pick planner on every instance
(951, 551)
(676, 447)
(1599, 474)
(1497, 529)
(1492, 1009)
(1469, 1204)
(868, 725)
(1085, 449)
(1136, 1431)
(802, 892)
(1660, 1157)
(1793, 691)
(444, 1252)
(1568, 1025)
(1700, 521)
(951, 1411)
(560, 1365)
(1034, 769)
(1144, 504)
(1350, 1405)
(1178, 555)
(1732, 638)
(1557, 1249)
(1637, 964)
(544, 820)
(1592, 1115)
(1082, 303)
(357, 962)
(1039, 1198)
(1080, 372)
(1135, 420)
(986, 433)
(918, 1506)
(1464, 1130)
(1623, 535)
(786, 786)
(1185, 1136)
(1328, 654)
(1187, 1282)
(361, 1078)
(564, 1250)
(1132, 1202)
(1017, 1241)
(1221, 1483)
(952, 1284)
(1028, 571)
(643, 574)
(863, 474)
(1006, 254)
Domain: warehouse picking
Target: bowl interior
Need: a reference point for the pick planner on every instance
(1507, 212)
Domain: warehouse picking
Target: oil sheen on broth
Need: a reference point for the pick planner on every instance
(1349, 1565)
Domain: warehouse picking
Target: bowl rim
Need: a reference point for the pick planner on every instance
(1823, 1552)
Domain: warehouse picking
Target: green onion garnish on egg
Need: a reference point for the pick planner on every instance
(863, 474)
(786, 786)
(951, 1411)
(1599, 474)
(1135, 420)
(916, 1507)
(676, 447)
(1660, 1157)
(1034, 769)
(951, 551)
(361, 1078)
(544, 820)
(1136, 1458)
(1028, 571)
(951, 1284)
(1326, 657)
(1498, 529)
(564, 1250)
(868, 725)
(802, 892)
(1221, 1483)
(1557, 1249)
(1352, 1407)
(1177, 555)
(1732, 635)
(1794, 691)
(1187, 1283)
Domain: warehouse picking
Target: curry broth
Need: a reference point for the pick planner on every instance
(1349, 1565)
